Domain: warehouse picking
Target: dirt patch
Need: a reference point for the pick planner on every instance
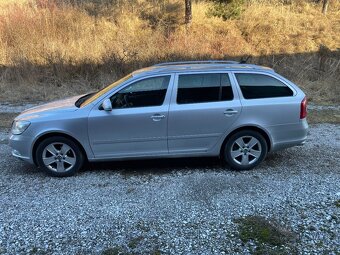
(6, 119)
(323, 116)
(266, 236)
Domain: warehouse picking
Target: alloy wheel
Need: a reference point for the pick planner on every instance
(246, 150)
(59, 157)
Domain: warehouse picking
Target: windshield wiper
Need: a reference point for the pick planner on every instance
(83, 99)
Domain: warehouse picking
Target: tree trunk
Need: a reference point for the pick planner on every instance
(188, 12)
(325, 6)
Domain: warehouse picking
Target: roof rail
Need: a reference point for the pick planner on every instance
(197, 62)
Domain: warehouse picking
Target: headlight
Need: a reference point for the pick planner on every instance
(20, 126)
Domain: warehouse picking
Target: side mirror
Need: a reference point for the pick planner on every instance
(107, 106)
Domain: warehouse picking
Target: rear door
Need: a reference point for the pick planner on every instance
(203, 107)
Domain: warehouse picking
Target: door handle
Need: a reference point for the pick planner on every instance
(157, 117)
(230, 112)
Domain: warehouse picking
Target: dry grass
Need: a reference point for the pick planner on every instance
(296, 28)
(52, 48)
(8, 2)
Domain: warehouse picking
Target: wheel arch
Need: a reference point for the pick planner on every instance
(248, 127)
(51, 134)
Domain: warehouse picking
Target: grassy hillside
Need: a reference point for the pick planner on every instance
(49, 49)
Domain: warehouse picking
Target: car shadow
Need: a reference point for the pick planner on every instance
(183, 165)
(159, 166)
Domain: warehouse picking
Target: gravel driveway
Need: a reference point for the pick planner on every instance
(186, 206)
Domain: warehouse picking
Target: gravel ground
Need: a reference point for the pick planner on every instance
(186, 206)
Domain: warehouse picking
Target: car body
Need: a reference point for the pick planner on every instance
(182, 109)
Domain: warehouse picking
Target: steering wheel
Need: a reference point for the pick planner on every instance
(126, 102)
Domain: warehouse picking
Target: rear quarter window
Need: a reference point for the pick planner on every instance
(261, 86)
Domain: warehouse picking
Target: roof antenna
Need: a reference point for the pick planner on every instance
(244, 61)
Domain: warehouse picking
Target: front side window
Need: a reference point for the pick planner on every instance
(203, 88)
(143, 93)
(261, 86)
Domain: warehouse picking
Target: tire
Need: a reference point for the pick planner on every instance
(245, 150)
(59, 156)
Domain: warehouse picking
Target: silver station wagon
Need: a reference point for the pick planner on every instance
(238, 112)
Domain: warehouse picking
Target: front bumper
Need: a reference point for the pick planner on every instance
(21, 147)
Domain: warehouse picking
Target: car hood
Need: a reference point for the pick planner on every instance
(55, 107)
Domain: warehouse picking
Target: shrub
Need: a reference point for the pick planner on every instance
(226, 9)
(163, 15)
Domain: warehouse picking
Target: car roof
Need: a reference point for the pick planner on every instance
(198, 66)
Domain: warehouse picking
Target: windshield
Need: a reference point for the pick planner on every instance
(98, 94)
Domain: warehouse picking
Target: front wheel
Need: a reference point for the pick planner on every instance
(245, 150)
(59, 156)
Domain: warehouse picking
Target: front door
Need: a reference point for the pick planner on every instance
(137, 124)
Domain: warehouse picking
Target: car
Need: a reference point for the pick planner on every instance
(236, 111)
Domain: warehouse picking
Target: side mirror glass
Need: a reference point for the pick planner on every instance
(107, 106)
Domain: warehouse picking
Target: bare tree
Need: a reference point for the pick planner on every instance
(325, 6)
(188, 12)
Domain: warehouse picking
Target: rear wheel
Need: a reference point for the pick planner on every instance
(59, 156)
(245, 150)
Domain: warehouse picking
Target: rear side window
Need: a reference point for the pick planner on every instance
(203, 88)
(261, 86)
(143, 93)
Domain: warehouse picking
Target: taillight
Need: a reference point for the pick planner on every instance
(303, 109)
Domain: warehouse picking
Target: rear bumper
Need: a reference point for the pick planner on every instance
(285, 136)
(21, 147)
